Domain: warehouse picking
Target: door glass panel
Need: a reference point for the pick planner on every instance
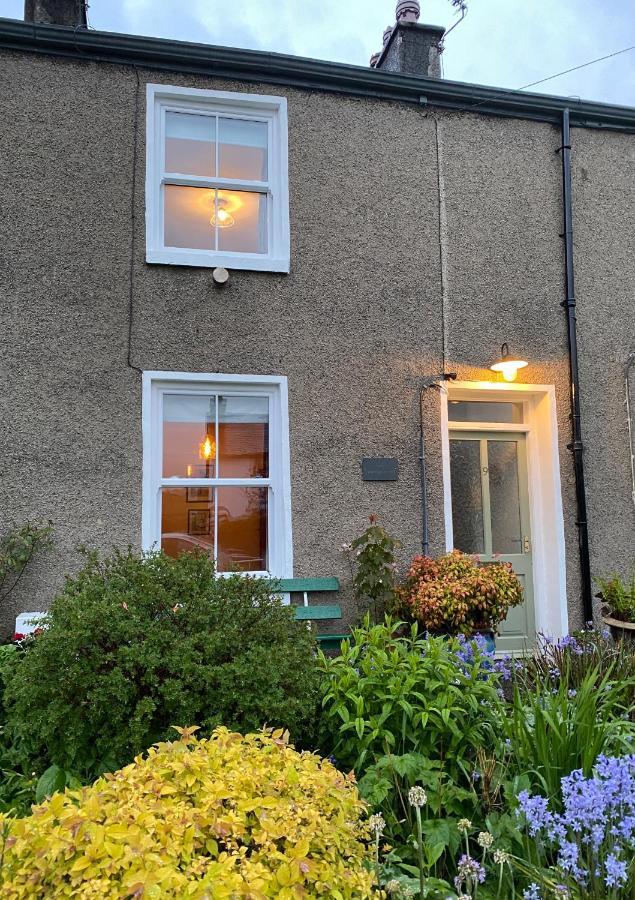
(484, 411)
(242, 529)
(243, 437)
(467, 498)
(504, 496)
(189, 436)
(187, 520)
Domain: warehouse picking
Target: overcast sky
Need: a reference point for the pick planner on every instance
(506, 43)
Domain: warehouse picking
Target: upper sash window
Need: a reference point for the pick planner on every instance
(217, 179)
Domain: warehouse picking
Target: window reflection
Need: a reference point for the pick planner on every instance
(189, 520)
(243, 437)
(189, 436)
(190, 144)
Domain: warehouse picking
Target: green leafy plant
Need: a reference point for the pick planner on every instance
(568, 660)
(406, 711)
(373, 567)
(619, 596)
(554, 729)
(454, 594)
(136, 643)
(17, 548)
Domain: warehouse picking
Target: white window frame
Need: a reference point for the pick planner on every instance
(163, 98)
(545, 492)
(154, 385)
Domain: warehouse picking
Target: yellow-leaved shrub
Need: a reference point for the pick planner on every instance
(230, 816)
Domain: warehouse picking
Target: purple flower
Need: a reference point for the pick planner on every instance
(536, 812)
(469, 870)
(615, 871)
(596, 831)
(532, 892)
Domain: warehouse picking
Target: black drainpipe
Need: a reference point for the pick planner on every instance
(569, 305)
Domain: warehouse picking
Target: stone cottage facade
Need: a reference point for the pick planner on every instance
(233, 285)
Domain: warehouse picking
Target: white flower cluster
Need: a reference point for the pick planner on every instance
(485, 839)
(377, 824)
(417, 796)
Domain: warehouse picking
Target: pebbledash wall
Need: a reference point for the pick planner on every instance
(356, 326)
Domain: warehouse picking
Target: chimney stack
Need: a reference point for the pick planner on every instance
(56, 12)
(408, 47)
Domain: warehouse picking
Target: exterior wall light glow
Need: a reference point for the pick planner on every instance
(508, 365)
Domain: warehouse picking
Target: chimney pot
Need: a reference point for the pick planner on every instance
(56, 12)
(407, 11)
(374, 59)
(410, 47)
(386, 34)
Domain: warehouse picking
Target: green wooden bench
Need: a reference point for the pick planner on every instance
(306, 613)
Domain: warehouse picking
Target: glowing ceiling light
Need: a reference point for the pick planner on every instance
(222, 217)
(207, 450)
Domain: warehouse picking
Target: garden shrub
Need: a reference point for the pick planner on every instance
(134, 644)
(229, 816)
(373, 567)
(406, 711)
(454, 594)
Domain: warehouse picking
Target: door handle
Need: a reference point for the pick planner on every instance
(526, 545)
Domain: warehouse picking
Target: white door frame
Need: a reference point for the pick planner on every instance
(545, 494)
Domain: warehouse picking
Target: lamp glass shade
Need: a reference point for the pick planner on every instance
(508, 365)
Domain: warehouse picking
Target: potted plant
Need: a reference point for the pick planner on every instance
(618, 597)
(455, 595)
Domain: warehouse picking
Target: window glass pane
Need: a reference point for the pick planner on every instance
(484, 411)
(502, 461)
(242, 529)
(242, 220)
(242, 149)
(467, 499)
(190, 144)
(189, 436)
(243, 437)
(187, 520)
(188, 217)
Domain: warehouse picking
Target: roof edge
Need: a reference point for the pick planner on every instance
(304, 73)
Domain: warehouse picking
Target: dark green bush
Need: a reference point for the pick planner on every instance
(136, 644)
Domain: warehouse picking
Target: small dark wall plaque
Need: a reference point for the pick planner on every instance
(380, 469)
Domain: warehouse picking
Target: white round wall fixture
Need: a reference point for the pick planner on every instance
(220, 275)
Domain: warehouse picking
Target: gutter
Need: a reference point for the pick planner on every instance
(307, 74)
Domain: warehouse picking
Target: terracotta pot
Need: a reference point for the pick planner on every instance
(621, 631)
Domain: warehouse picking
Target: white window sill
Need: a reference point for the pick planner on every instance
(202, 259)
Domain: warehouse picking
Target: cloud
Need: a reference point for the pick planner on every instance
(506, 43)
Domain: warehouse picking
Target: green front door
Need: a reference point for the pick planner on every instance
(490, 515)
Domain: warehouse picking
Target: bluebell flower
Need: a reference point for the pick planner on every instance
(532, 892)
(616, 875)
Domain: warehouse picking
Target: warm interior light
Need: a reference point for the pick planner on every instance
(508, 365)
(207, 450)
(222, 218)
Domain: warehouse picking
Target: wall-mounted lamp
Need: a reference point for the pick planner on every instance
(508, 365)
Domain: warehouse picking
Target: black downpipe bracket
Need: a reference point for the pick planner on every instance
(569, 304)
